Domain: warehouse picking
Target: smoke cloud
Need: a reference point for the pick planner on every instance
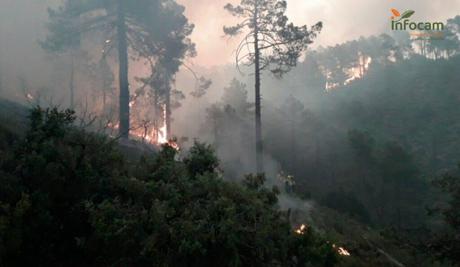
(343, 20)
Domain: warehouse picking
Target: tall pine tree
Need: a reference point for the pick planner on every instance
(270, 42)
(135, 28)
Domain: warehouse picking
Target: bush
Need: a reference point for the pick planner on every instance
(69, 198)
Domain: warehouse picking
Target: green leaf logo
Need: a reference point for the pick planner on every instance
(406, 15)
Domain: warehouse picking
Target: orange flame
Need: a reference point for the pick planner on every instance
(302, 229)
(341, 250)
(153, 136)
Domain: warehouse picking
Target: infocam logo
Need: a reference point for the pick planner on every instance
(402, 22)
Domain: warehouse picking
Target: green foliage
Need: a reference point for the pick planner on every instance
(69, 198)
(363, 145)
(201, 160)
(265, 24)
(46, 179)
(407, 119)
(445, 243)
(63, 35)
(153, 31)
(347, 203)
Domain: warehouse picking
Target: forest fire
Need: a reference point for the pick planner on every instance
(302, 229)
(234, 133)
(352, 74)
(342, 251)
(150, 134)
(359, 71)
(155, 136)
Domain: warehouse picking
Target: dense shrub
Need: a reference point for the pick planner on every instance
(70, 198)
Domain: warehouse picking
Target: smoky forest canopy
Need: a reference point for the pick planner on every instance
(118, 149)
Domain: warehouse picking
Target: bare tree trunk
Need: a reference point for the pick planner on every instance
(293, 163)
(216, 131)
(72, 81)
(1, 79)
(434, 154)
(123, 71)
(398, 207)
(1, 71)
(156, 111)
(104, 100)
(423, 47)
(168, 112)
(259, 142)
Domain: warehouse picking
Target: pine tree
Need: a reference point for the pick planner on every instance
(270, 43)
(136, 28)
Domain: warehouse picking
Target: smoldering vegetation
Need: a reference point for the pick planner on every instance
(360, 144)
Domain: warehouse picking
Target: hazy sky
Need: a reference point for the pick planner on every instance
(343, 20)
(22, 24)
